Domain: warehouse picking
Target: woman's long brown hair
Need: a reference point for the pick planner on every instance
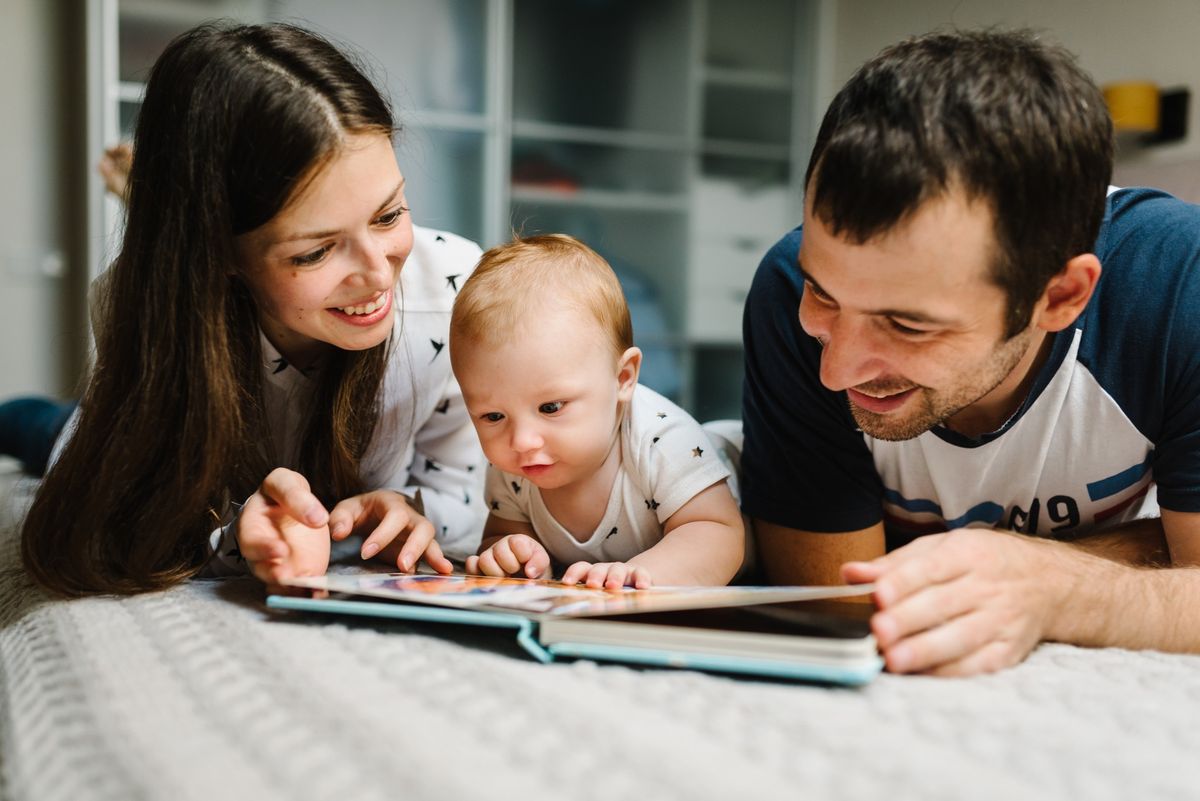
(236, 120)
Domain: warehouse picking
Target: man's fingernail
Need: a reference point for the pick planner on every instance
(885, 628)
(882, 594)
(405, 564)
(370, 549)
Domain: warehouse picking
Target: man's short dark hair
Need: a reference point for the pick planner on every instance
(1012, 121)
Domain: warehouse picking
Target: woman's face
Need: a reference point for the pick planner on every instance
(323, 269)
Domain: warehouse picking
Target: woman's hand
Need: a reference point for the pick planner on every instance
(396, 533)
(283, 531)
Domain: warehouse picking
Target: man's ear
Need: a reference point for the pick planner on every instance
(628, 367)
(1068, 293)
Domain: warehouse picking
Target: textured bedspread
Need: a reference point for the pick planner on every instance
(200, 693)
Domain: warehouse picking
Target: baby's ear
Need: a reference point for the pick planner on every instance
(628, 367)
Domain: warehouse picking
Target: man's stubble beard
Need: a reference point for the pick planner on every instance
(934, 407)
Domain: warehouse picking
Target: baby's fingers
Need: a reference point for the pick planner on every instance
(531, 554)
(576, 572)
(487, 565)
(639, 578)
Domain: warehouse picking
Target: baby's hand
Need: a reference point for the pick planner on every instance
(607, 575)
(509, 555)
(283, 530)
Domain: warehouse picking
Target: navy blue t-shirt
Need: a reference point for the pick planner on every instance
(1110, 430)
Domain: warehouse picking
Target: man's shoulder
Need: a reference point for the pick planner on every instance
(779, 268)
(1149, 249)
(1147, 236)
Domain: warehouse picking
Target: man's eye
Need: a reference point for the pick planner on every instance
(817, 292)
(493, 417)
(309, 259)
(553, 407)
(904, 329)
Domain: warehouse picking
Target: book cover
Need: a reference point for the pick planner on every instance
(788, 632)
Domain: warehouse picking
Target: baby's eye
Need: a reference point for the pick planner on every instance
(309, 259)
(553, 407)
(493, 417)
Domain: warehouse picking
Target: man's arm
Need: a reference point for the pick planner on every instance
(792, 556)
(1140, 543)
(976, 600)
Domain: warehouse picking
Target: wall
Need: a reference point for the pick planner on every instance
(1114, 40)
(38, 338)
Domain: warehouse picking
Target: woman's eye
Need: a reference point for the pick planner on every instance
(553, 407)
(493, 417)
(309, 259)
(390, 219)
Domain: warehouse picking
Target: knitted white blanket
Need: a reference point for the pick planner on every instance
(200, 693)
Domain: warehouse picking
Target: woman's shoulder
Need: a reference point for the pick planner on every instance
(436, 268)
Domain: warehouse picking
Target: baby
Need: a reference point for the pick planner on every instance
(587, 468)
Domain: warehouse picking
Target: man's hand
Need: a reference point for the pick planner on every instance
(607, 575)
(511, 555)
(283, 530)
(395, 531)
(964, 602)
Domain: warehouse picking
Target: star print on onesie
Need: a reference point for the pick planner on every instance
(666, 460)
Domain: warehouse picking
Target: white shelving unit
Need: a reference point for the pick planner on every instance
(668, 134)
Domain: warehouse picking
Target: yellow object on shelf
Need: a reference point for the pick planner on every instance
(1134, 106)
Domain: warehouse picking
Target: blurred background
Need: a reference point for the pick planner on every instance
(671, 135)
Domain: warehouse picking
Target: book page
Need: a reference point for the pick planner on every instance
(553, 598)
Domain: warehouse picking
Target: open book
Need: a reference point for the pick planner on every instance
(785, 632)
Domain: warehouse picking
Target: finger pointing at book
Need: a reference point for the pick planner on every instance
(283, 529)
(395, 531)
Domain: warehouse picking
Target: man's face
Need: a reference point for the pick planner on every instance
(910, 323)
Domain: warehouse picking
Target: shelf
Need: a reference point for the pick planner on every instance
(713, 342)
(578, 134)
(745, 150)
(131, 91)
(601, 199)
(176, 12)
(748, 78)
(445, 121)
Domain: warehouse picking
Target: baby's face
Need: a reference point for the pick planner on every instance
(546, 404)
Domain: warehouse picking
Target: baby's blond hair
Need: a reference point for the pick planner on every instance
(514, 281)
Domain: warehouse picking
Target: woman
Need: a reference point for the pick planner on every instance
(257, 341)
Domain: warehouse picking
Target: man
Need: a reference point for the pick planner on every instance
(970, 335)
